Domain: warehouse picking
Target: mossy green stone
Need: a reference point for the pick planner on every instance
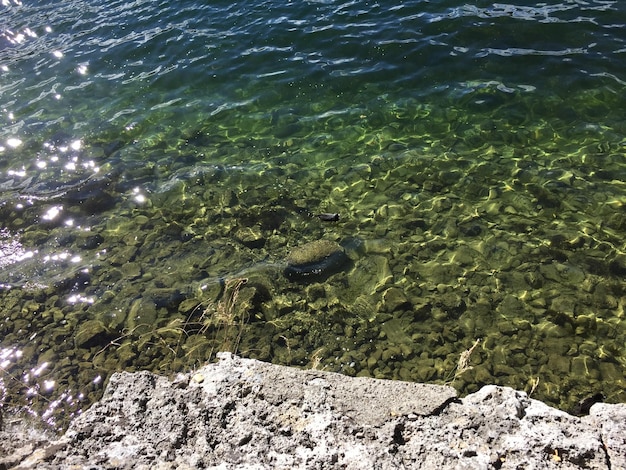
(89, 333)
(315, 261)
(313, 252)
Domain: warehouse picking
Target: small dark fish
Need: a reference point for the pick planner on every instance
(328, 217)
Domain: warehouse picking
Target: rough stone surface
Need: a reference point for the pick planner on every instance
(241, 413)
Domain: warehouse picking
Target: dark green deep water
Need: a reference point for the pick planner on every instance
(154, 155)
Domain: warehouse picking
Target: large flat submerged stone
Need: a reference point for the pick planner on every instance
(242, 413)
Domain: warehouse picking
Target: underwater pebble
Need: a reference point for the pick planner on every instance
(464, 256)
(559, 364)
(90, 331)
(252, 237)
(392, 352)
(130, 270)
(395, 299)
(581, 366)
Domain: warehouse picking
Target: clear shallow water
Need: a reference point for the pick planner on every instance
(154, 153)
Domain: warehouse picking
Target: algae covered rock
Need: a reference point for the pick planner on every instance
(315, 260)
(91, 333)
(252, 237)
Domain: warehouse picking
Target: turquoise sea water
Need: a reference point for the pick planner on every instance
(161, 162)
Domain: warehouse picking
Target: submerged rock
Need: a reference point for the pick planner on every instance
(91, 333)
(315, 260)
(252, 237)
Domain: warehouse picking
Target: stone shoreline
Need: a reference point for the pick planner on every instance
(242, 413)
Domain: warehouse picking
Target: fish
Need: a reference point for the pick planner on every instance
(328, 217)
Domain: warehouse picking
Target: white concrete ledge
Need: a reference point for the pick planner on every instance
(241, 413)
